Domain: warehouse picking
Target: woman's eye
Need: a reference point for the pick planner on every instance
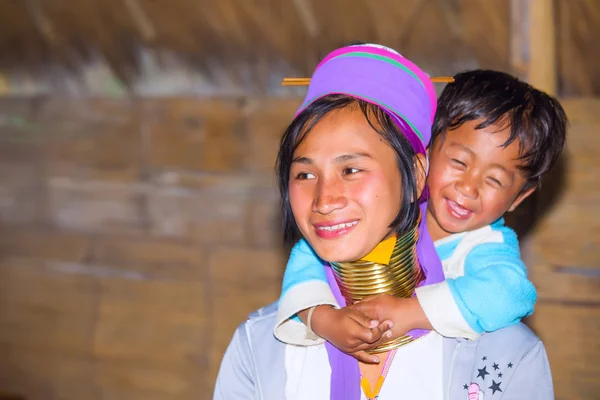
(304, 175)
(350, 171)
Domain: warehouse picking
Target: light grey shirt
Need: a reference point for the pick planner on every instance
(508, 364)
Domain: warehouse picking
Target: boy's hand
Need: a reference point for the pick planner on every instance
(351, 331)
(406, 314)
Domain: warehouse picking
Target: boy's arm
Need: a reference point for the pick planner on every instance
(493, 293)
(304, 286)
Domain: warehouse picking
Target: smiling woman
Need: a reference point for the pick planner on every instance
(345, 176)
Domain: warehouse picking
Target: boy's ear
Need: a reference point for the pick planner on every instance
(420, 173)
(520, 198)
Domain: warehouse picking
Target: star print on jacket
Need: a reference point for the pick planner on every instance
(492, 387)
(495, 387)
(482, 373)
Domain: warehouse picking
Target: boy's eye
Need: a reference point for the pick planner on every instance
(350, 171)
(304, 175)
(458, 162)
(495, 181)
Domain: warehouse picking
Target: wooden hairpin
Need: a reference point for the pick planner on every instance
(306, 81)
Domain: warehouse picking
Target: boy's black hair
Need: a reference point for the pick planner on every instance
(379, 121)
(535, 119)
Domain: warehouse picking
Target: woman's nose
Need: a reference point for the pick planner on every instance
(329, 197)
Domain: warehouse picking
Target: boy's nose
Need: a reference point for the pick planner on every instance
(468, 187)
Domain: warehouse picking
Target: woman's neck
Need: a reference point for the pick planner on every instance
(392, 267)
(382, 253)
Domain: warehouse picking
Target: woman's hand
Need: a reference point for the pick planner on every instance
(351, 331)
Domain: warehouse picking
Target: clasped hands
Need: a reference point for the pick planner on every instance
(363, 326)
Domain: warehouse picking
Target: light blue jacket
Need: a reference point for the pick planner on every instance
(508, 364)
(486, 286)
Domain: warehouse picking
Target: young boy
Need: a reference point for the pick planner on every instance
(494, 137)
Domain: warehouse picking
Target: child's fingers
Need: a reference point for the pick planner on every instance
(382, 336)
(363, 338)
(363, 319)
(386, 325)
(372, 344)
(369, 337)
(367, 308)
(365, 357)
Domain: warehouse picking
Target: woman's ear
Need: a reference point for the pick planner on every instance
(420, 173)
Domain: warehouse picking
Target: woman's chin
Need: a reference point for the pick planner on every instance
(342, 248)
(338, 253)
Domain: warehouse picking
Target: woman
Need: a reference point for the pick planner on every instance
(352, 168)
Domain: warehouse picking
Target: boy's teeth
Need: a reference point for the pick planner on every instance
(338, 226)
(458, 209)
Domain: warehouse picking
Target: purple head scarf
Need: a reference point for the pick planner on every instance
(383, 77)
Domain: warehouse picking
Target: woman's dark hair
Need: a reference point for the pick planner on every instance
(381, 122)
(534, 118)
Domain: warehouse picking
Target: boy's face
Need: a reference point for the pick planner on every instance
(473, 179)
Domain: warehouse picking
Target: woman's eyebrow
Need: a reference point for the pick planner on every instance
(338, 159)
(349, 157)
(302, 160)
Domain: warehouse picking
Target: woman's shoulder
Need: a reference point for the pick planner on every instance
(259, 324)
(253, 365)
(518, 336)
(262, 313)
(510, 346)
(509, 363)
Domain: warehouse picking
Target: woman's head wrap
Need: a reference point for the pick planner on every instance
(383, 77)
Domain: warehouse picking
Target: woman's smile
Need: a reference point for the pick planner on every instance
(334, 229)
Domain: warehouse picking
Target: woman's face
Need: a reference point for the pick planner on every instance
(345, 187)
